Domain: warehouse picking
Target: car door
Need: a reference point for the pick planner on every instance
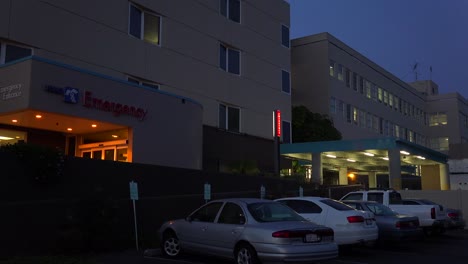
(225, 232)
(307, 209)
(193, 234)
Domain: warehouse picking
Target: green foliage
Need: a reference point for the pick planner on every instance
(309, 127)
(42, 163)
(244, 167)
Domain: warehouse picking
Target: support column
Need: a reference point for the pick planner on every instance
(343, 180)
(444, 177)
(317, 172)
(394, 168)
(372, 179)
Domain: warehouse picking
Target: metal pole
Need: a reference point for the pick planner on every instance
(135, 219)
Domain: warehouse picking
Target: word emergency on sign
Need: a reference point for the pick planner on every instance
(116, 108)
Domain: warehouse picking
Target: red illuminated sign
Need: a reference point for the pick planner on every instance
(278, 123)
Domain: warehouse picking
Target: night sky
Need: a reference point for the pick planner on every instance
(396, 34)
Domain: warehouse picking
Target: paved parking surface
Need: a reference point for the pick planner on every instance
(451, 247)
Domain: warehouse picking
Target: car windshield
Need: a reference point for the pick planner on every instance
(380, 209)
(273, 212)
(337, 205)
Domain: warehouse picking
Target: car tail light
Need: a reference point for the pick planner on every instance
(452, 215)
(355, 219)
(433, 213)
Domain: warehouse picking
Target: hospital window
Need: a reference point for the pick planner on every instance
(361, 84)
(144, 25)
(286, 132)
(355, 115)
(332, 68)
(385, 97)
(441, 143)
(348, 113)
(369, 119)
(229, 59)
(332, 105)
(390, 100)
(230, 9)
(285, 36)
(438, 119)
(348, 78)
(362, 118)
(339, 72)
(229, 118)
(144, 83)
(397, 103)
(355, 77)
(285, 82)
(380, 94)
(10, 52)
(368, 89)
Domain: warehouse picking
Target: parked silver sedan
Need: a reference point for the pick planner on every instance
(248, 230)
(392, 226)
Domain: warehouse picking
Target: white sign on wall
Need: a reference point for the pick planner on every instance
(11, 91)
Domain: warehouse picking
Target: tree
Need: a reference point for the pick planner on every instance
(308, 126)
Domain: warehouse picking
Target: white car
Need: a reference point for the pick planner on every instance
(349, 225)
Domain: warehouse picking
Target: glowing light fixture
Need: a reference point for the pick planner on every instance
(14, 121)
(331, 156)
(351, 175)
(38, 116)
(421, 157)
(5, 138)
(351, 160)
(404, 152)
(93, 125)
(69, 129)
(385, 158)
(369, 154)
(115, 136)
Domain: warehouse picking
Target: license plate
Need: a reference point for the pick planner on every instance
(310, 238)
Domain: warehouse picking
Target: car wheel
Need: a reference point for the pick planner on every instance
(246, 254)
(170, 244)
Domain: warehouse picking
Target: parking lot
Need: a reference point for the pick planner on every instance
(451, 247)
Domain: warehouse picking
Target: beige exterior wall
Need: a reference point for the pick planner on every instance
(186, 62)
(430, 179)
(313, 86)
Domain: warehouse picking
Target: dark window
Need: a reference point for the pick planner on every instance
(361, 84)
(395, 198)
(207, 213)
(355, 81)
(13, 53)
(353, 196)
(230, 9)
(229, 118)
(135, 22)
(378, 197)
(229, 59)
(232, 214)
(286, 83)
(285, 36)
(337, 205)
(409, 202)
(286, 132)
(348, 78)
(303, 207)
(273, 212)
(348, 113)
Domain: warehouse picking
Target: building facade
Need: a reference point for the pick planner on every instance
(227, 60)
(367, 102)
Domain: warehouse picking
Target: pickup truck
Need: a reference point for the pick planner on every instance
(431, 219)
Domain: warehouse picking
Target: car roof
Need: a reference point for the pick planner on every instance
(244, 200)
(310, 198)
(359, 201)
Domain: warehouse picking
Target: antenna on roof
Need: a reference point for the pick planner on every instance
(415, 66)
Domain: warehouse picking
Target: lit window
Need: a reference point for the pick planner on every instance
(286, 131)
(285, 36)
(339, 72)
(229, 59)
(438, 119)
(230, 9)
(144, 25)
(10, 52)
(229, 118)
(332, 68)
(441, 143)
(380, 94)
(143, 83)
(285, 82)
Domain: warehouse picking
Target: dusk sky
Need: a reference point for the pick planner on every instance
(396, 34)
